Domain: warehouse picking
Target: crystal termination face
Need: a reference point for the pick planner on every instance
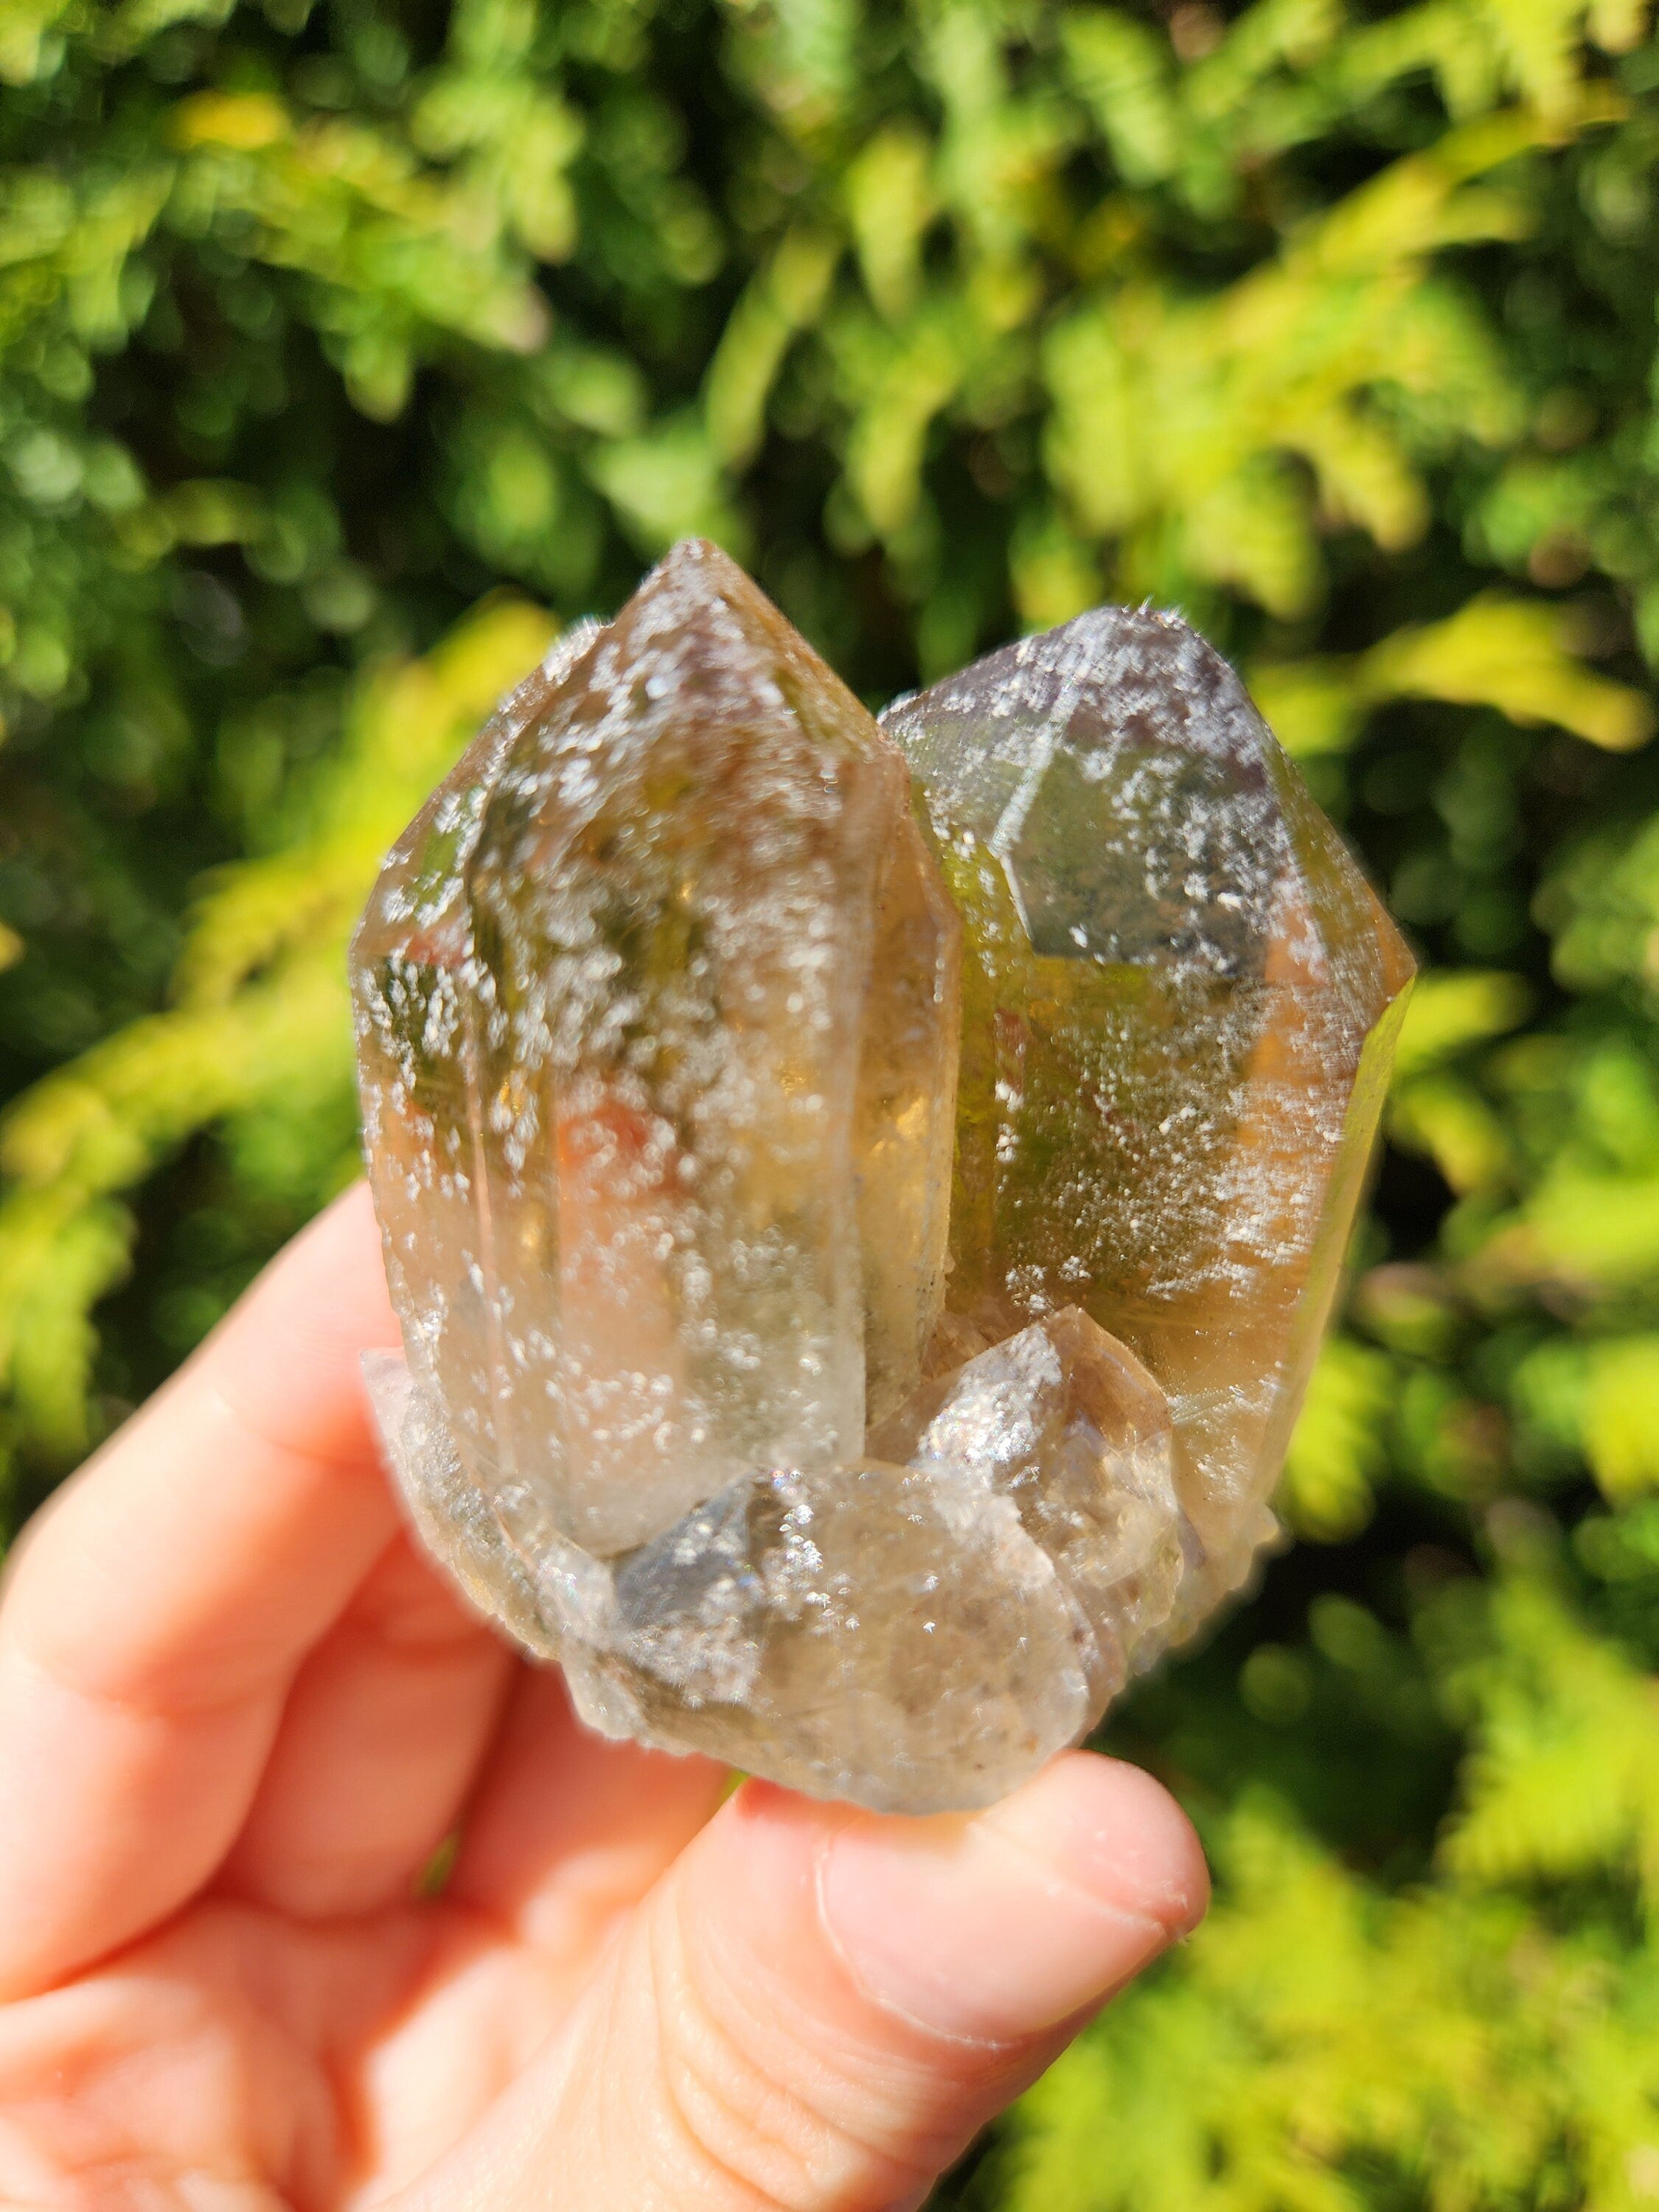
(861, 1206)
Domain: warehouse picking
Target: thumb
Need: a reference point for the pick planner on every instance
(816, 2009)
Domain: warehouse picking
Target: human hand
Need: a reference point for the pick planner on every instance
(238, 1717)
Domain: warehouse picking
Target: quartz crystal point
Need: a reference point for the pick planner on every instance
(1180, 1004)
(660, 1012)
(657, 1007)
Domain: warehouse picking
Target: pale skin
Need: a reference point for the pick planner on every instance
(238, 1717)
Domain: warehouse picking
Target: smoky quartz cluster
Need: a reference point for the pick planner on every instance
(862, 1199)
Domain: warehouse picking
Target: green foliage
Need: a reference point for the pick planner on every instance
(1484, 2038)
(345, 349)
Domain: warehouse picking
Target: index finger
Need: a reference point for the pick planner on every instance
(159, 1609)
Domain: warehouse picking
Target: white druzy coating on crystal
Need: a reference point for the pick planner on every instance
(847, 1355)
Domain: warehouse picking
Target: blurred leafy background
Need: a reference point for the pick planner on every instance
(347, 348)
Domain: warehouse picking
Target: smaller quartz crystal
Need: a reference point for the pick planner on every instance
(1180, 1002)
(715, 1392)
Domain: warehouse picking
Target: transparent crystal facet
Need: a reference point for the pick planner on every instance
(676, 1086)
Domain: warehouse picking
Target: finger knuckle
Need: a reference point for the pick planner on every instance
(776, 2120)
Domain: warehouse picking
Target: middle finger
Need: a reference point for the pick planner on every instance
(381, 1737)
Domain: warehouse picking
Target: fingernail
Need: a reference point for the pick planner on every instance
(994, 1927)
